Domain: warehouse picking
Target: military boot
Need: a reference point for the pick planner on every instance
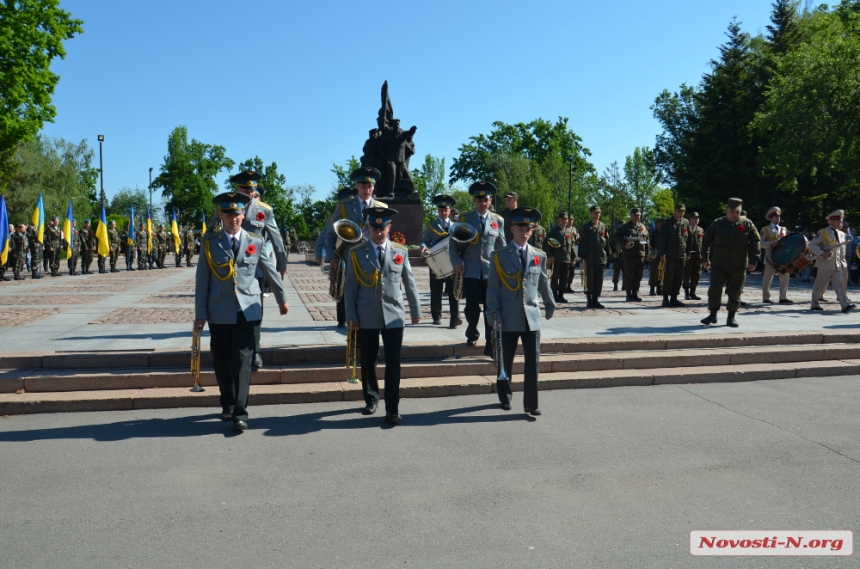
(710, 319)
(666, 301)
(652, 293)
(596, 304)
(614, 287)
(731, 320)
(629, 297)
(686, 294)
(675, 303)
(3, 276)
(659, 290)
(693, 294)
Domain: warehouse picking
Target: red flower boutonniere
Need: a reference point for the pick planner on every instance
(494, 225)
(251, 249)
(536, 260)
(261, 216)
(398, 259)
(568, 236)
(603, 234)
(685, 231)
(741, 229)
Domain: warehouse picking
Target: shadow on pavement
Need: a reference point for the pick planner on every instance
(164, 336)
(651, 329)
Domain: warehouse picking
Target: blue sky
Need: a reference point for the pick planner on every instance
(298, 82)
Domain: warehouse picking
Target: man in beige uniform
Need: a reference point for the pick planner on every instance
(769, 236)
(829, 245)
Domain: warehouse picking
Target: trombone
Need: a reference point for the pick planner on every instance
(352, 354)
(498, 354)
(195, 360)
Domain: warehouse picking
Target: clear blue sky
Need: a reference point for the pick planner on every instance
(298, 82)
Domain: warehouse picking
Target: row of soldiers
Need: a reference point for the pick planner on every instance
(163, 243)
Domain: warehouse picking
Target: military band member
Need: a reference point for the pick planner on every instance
(474, 263)
(436, 231)
(141, 246)
(352, 208)
(372, 293)
(18, 251)
(517, 276)
(693, 267)
(675, 240)
(227, 296)
(730, 247)
(114, 245)
(769, 236)
(631, 240)
(572, 269)
(830, 248)
(35, 252)
(53, 246)
(85, 244)
(654, 280)
(560, 257)
(188, 244)
(72, 245)
(593, 243)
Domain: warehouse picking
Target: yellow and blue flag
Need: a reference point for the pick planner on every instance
(203, 221)
(148, 231)
(38, 220)
(174, 229)
(67, 233)
(4, 231)
(102, 234)
(130, 235)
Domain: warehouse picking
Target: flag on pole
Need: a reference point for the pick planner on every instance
(148, 231)
(38, 220)
(130, 234)
(203, 220)
(174, 229)
(67, 233)
(4, 231)
(102, 235)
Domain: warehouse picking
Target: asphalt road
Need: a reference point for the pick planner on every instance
(611, 478)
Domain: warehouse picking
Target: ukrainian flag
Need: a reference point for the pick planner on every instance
(67, 232)
(174, 229)
(148, 231)
(101, 233)
(38, 220)
(203, 226)
(130, 238)
(4, 231)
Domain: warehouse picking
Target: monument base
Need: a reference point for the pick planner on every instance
(409, 219)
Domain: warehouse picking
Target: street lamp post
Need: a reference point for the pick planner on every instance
(150, 191)
(570, 185)
(102, 197)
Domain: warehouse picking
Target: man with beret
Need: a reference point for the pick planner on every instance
(141, 246)
(436, 231)
(474, 262)
(518, 275)
(693, 267)
(632, 240)
(829, 245)
(559, 245)
(53, 246)
(769, 236)
(375, 270)
(730, 247)
(593, 245)
(351, 207)
(227, 296)
(675, 242)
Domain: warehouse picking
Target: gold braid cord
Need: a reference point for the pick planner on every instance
(343, 214)
(504, 277)
(437, 233)
(213, 266)
(363, 277)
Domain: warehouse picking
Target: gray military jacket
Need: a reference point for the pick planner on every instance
(379, 305)
(435, 232)
(218, 300)
(345, 209)
(260, 219)
(477, 257)
(519, 309)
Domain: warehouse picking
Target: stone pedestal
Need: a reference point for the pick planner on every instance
(409, 219)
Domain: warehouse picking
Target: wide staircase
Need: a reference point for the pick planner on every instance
(64, 382)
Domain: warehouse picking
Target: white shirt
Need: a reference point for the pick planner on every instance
(237, 237)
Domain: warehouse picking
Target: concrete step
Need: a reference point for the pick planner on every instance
(272, 394)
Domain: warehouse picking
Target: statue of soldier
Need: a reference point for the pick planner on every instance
(396, 147)
(113, 244)
(35, 251)
(85, 247)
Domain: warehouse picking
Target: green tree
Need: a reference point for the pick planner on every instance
(429, 181)
(342, 175)
(187, 177)
(125, 198)
(31, 37)
(641, 178)
(275, 191)
(614, 198)
(664, 205)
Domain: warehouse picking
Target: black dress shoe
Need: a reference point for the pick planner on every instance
(693, 296)
(532, 412)
(816, 308)
(226, 414)
(457, 322)
(471, 342)
(769, 301)
(635, 298)
(257, 362)
(849, 308)
(341, 324)
(561, 299)
(785, 301)
(597, 304)
(394, 419)
(488, 349)
(369, 410)
(744, 303)
(437, 322)
(569, 289)
(506, 406)
(675, 303)
(240, 425)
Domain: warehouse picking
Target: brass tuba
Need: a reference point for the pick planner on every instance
(462, 234)
(348, 234)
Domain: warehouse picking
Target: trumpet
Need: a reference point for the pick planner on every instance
(195, 360)
(498, 354)
(661, 269)
(462, 234)
(352, 354)
(348, 233)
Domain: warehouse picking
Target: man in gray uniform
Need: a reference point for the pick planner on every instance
(372, 293)
(436, 231)
(517, 277)
(474, 263)
(227, 296)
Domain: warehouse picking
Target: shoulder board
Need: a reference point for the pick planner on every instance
(263, 204)
(209, 236)
(378, 203)
(345, 200)
(255, 235)
(497, 216)
(396, 245)
(538, 249)
(357, 247)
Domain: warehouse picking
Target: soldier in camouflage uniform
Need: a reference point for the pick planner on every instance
(188, 244)
(572, 269)
(72, 243)
(559, 257)
(538, 236)
(693, 269)
(160, 242)
(53, 246)
(631, 240)
(140, 245)
(18, 251)
(593, 244)
(128, 249)
(654, 280)
(732, 243)
(35, 251)
(85, 246)
(675, 242)
(113, 244)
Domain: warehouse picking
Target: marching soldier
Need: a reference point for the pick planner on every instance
(617, 263)
(593, 243)
(53, 246)
(730, 247)
(693, 267)
(72, 244)
(436, 231)
(474, 263)
(188, 244)
(517, 277)
(113, 244)
(227, 296)
(350, 207)
(631, 240)
(559, 257)
(829, 245)
(18, 251)
(675, 241)
(85, 246)
(769, 236)
(140, 246)
(375, 270)
(654, 280)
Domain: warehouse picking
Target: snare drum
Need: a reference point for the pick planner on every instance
(438, 260)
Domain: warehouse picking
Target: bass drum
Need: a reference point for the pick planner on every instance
(438, 260)
(791, 254)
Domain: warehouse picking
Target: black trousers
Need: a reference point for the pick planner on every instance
(476, 302)
(531, 351)
(616, 271)
(341, 311)
(571, 269)
(232, 347)
(594, 279)
(634, 267)
(692, 271)
(674, 276)
(368, 346)
(559, 281)
(436, 286)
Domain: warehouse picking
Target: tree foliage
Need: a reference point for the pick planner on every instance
(125, 198)
(31, 37)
